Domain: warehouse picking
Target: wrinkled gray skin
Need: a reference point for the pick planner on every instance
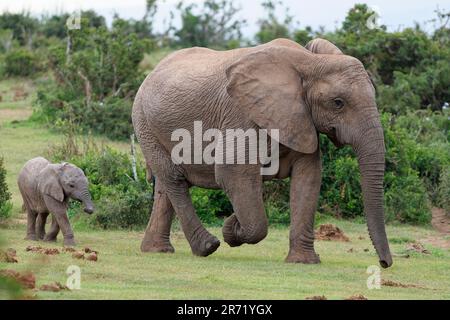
(46, 188)
(278, 85)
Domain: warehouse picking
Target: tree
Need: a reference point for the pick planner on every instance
(271, 28)
(215, 26)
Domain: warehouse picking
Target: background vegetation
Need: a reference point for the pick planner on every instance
(86, 80)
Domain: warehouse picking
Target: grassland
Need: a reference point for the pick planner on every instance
(247, 272)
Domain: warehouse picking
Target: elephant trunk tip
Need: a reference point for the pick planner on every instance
(89, 210)
(386, 263)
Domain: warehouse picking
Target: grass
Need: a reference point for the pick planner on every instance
(247, 272)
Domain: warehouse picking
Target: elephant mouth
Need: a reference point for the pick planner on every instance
(333, 137)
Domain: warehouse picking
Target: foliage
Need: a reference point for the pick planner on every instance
(215, 26)
(120, 201)
(271, 28)
(20, 62)
(210, 205)
(5, 195)
(95, 78)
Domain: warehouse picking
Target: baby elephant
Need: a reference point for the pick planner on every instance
(46, 188)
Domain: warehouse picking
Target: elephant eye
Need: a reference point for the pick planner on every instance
(71, 185)
(338, 103)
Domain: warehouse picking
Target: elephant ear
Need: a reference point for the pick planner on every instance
(49, 183)
(322, 46)
(267, 86)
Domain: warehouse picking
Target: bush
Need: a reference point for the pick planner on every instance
(95, 81)
(121, 202)
(20, 62)
(5, 195)
(211, 205)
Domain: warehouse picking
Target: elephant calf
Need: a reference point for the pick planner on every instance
(46, 188)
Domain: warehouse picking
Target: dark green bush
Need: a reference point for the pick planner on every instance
(5, 195)
(211, 205)
(20, 62)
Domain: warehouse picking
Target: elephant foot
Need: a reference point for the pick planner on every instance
(156, 242)
(40, 236)
(230, 231)
(69, 242)
(31, 237)
(309, 257)
(48, 238)
(147, 246)
(204, 245)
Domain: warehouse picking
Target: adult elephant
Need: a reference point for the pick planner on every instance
(278, 85)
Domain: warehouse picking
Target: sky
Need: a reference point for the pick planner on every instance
(394, 14)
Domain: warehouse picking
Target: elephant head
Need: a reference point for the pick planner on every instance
(61, 181)
(302, 92)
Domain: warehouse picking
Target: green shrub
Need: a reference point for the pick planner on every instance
(20, 62)
(5, 195)
(406, 199)
(211, 205)
(120, 201)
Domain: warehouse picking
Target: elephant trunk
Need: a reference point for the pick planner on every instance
(371, 151)
(87, 201)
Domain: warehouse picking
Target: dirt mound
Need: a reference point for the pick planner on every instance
(39, 249)
(89, 250)
(357, 297)
(390, 283)
(9, 256)
(53, 287)
(330, 232)
(316, 298)
(92, 257)
(417, 247)
(68, 250)
(26, 279)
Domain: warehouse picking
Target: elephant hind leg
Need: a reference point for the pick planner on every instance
(172, 189)
(40, 225)
(157, 234)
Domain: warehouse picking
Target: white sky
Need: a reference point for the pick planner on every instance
(328, 13)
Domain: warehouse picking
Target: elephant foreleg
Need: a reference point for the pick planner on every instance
(53, 233)
(40, 225)
(304, 194)
(59, 211)
(243, 186)
(157, 234)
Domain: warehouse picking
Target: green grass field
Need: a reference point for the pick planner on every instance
(247, 272)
